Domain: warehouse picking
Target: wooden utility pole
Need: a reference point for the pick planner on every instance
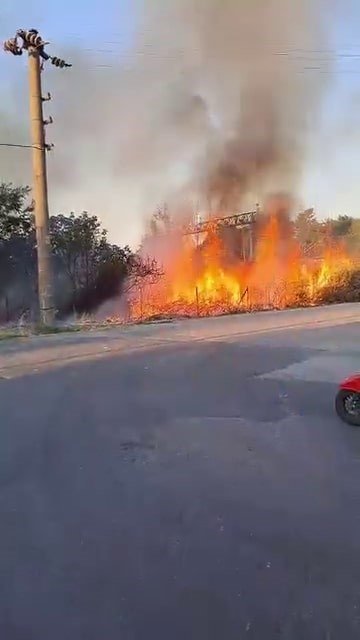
(31, 42)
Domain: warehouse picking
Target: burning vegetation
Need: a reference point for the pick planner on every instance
(215, 269)
(238, 108)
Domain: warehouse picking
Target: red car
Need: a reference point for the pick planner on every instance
(347, 402)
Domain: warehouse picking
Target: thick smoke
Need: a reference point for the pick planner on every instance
(212, 107)
(248, 95)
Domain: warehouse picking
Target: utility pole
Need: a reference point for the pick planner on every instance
(32, 42)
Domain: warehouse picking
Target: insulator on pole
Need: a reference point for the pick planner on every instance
(11, 46)
(43, 54)
(31, 38)
(34, 39)
(58, 62)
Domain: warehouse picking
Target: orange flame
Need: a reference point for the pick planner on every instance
(203, 282)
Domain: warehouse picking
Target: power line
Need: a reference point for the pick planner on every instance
(19, 146)
(321, 57)
(295, 53)
(302, 70)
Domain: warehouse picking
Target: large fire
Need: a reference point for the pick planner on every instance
(202, 281)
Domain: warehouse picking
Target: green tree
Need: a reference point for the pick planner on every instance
(115, 265)
(307, 228)
(88, 269)
(95, 268)
(341, 226)
(78, 241)
(353, 237)
(17, 251)
(15, 213)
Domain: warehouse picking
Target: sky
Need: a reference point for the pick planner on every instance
(105, 32)
(330, 180)
(331, 183)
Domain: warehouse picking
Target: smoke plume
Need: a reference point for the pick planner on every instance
(213, 105)
(244, 96)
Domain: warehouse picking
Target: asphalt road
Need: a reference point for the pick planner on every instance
(185, 481)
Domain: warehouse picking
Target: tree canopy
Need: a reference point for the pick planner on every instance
(88, 268)
(15, 213)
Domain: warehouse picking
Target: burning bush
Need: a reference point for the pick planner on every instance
(202, 280)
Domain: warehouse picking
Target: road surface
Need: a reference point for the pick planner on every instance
(181, 481)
